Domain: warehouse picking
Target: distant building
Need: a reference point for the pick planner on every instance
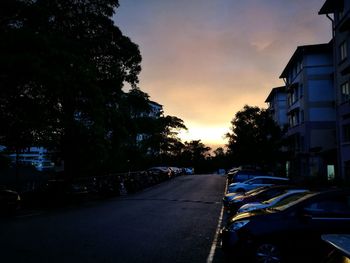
(277, 106)
(341, 43)
(310, 111)
(35, 156)
(156, 111)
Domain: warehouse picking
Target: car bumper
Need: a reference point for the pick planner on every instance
(233, 243)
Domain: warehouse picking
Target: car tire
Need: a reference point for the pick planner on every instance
(268, 252)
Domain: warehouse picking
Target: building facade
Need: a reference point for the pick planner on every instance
(310, 112)
(340, 11)
(277, 106)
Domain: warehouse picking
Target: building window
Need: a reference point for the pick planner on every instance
(330, 172)
(293, 96)
(294, 118)
(343, 51)
(301, 90)
(345, 92)
(302, 115)
(346, 133)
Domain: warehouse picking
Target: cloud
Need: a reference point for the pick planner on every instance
(204, 60)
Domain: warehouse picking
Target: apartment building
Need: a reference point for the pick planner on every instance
(277, 106)
(310, 112)
(338, 11)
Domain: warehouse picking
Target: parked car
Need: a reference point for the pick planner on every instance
(175, 171)
(227, 199)
(262, 194)
(256, 182)
(339, 245)
(9, 200)
(160, 173)
(288, 193)
(290, 231)
(239, 175)
(188, 170)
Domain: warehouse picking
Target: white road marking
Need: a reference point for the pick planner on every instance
(211, 255)
(215, 241)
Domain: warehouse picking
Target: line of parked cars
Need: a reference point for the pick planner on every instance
(278, 222)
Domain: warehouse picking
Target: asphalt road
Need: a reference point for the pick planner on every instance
(175, 221)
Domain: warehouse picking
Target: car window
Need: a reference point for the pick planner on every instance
(267, 181)
(242, 177)
(290, 201)
(256, 191)
(272, 193)
(256, 181)
(285, 199)
(339, 205)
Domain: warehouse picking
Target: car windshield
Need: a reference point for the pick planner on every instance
(273, 199)
(290, 201)
(255, 191)
(283, 196)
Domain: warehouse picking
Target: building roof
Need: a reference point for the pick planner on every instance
(155, 103)
(330, 6)
(274, 91)
(302, 50)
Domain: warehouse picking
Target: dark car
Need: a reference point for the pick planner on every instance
(291, 231)
(9, 200)
(159, 173)
(237, 176)
(339, 245)
(256, 182)
(261, 194)
(227, 199)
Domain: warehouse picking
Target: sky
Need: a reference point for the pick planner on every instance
(203, 60)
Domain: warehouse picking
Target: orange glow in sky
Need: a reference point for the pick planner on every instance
(203, 60)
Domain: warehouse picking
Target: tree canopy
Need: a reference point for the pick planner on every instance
(63, 65)
(254, 138)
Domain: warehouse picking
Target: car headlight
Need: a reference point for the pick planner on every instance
(238, 225)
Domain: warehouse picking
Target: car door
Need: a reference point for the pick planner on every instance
(328, 215)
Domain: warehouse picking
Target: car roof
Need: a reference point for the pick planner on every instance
(267, 177)
(317, 194)
(339, 241)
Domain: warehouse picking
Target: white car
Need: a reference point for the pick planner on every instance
(256, 182)
(273, 201)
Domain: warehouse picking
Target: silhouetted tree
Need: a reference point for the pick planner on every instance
(254, 138)
(196, 153)
(63, 64)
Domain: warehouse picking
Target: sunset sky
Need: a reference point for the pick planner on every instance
(203, 60)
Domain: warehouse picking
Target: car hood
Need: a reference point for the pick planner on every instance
(233, 195)
(248, 215)
(233, 184)
(256, 205)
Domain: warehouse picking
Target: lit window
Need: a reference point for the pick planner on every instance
(345, 92)
(343, 51)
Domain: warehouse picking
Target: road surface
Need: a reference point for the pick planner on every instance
(175, 221)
